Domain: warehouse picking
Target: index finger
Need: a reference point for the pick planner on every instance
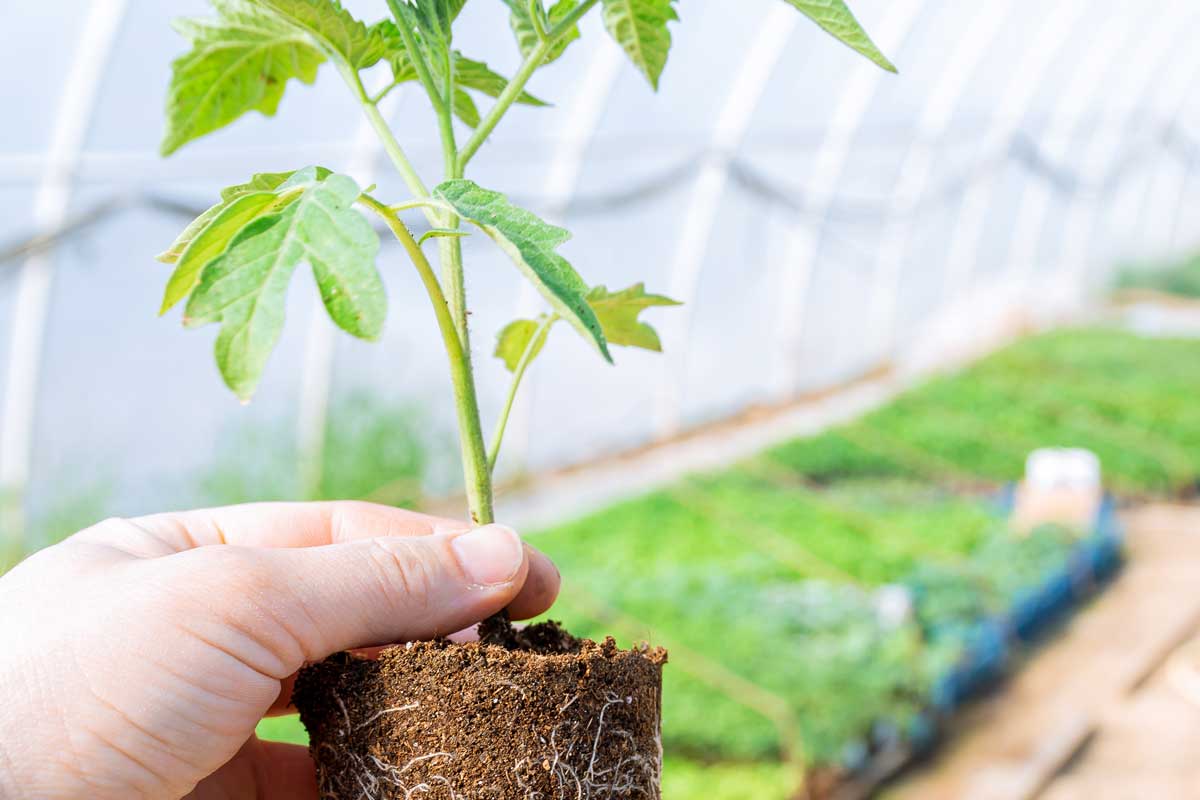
(264, 525)
(283, 525)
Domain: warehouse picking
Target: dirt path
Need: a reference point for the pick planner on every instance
(1105, 710)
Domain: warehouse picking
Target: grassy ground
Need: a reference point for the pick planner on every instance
(773, 583)
(684, 779)
(1180, 277)
(764, 578)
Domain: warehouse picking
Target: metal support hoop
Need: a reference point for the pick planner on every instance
(1171, 79)
(50, 207)
(915, 173)
(316, 371)
(1150, 52)
(801, 240)
(1090, 78)
(1011, 112)
(732, 120)
(562, 181)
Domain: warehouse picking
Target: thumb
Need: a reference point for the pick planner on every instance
(302, 604)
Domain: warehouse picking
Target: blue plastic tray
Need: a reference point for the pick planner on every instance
(989, 643)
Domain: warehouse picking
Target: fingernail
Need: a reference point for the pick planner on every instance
(489, 555)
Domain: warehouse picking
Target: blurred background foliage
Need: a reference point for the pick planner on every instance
(851, 222)
(767, 578)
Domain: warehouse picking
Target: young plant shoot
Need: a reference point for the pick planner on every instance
(233, 263)
(599, 735)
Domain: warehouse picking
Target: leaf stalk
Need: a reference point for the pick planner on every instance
(449, 294)
(535, 16)
(420, 65)
(382, 93)
(475, 463)
(535, 343)
(391, 146)
(570, 20)
(516, 86)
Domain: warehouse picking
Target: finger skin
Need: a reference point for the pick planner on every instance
(265, 525)
(262, 771)
(540, 589)
(536, 596)
(301, 604)
(159, 645)
(293, 525)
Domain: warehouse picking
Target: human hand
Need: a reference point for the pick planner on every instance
(139, 655)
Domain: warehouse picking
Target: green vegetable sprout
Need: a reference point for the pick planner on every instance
(233, 263)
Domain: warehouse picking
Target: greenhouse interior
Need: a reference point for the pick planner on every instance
(863, 464)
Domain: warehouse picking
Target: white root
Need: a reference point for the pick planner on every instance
(515, 688)
(345, 714)
(634, 776)
(411, 762)
(384, 712)
(571, 745)
(374, 779)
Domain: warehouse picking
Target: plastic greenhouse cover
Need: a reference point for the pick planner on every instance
(803, 205)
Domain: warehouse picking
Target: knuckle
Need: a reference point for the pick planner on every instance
(51, 559)
(229, 600)
(117, 526)
(226, 570)
(404, 569)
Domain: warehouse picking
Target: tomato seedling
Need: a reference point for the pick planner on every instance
(234, 263)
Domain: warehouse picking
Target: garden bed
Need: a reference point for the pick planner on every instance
(887, 499)
(767, 580)
(867, 655)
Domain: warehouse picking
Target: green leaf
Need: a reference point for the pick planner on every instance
(245, 288)
(172, 253)
(618, 314)
(516, 337)
(431, 37)
(428, 20)
(835, 18)
(395, 52)
(476, 75)
(640, 27)
(436, 16)
(526, 33)
(335, 30)
(267, 182)
(261, 182)
(431, 19)
(239, 62)
(558, 12)
(218, 225)
(211, 241)
(465, 109)
(531, 244)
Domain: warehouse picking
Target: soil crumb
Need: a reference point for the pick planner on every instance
(544, 637)
(524, 714)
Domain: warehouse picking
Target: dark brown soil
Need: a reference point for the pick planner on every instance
(524, 714)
